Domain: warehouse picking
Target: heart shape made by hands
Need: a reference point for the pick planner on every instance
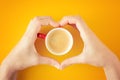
(62, 23)
(25, 55)
(93, 50)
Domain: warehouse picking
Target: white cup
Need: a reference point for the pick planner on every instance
(59, 41)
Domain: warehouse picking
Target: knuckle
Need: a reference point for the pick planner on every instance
(36, 18)
(45, 17)
(49, 17)
(77, 17)
(64, 17)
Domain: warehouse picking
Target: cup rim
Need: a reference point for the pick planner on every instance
(69, 46)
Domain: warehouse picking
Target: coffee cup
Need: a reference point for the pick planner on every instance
(58, 41)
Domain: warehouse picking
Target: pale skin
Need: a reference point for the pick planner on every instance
(24, 54)
(95, 53)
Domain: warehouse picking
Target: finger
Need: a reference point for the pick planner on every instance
(73, 25)
(35, 25)
(49, 61)
(80, 25)
(69, 62)
(52, 23)
(47, 20)
(73, 60)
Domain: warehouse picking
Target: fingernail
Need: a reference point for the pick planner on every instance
(60, 68)
(57, 66)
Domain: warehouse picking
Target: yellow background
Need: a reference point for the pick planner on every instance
(102, 16)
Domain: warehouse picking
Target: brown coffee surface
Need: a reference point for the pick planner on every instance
(58, 41)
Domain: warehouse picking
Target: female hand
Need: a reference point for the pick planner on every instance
(94, 51)
(24, 54)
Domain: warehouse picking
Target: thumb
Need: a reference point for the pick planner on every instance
(49, 61)
(74, 60)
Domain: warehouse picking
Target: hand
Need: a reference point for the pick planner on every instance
(24, 54)
(94, 51)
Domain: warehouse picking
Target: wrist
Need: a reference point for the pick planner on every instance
(113, 64)
(110, 59)
(6, 72)
(112, 70)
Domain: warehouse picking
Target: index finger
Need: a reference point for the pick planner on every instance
(35, 25)
(80, 25)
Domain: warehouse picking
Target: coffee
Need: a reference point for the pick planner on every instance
(59, 41)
